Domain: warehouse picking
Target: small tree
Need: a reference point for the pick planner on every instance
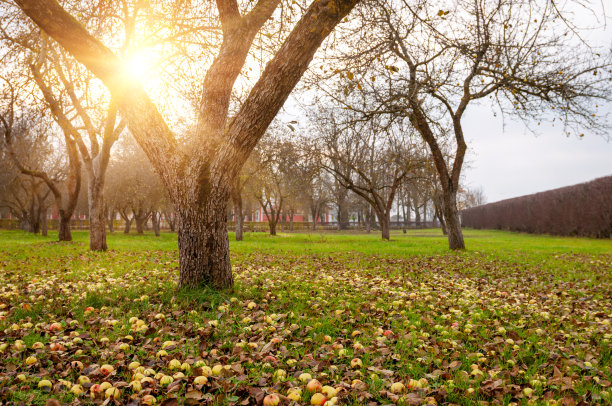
(371, 158)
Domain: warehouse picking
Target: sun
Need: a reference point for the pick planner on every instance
(137, 65)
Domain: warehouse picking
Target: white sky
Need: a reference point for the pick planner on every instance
(509, 162)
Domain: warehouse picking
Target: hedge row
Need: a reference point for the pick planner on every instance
(584, 209)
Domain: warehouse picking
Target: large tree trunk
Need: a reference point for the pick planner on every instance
(64, 233)
(203, 241)
(384, 218)
(204, 245)
(140, 223)
(453, 222)
(97, 216)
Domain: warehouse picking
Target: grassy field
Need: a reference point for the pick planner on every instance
(515, 319)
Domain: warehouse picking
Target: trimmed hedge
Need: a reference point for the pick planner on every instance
(584, 210)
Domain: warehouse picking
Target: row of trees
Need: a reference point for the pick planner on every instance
(363, 175)
(394, 76)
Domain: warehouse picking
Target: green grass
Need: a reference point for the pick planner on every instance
(532, 313)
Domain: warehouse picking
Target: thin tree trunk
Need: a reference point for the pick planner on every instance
(203, 244)
(272, 220)
(44, 225)
(417, 215)
(155, 218)
(170, 220)
(111, 221)
(291, 220)
(238, 216)
(439, 214)
(314, 212)
(97, 217)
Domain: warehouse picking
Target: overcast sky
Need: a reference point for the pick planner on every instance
(507, 161)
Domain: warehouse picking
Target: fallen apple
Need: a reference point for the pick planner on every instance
(271, 400)
(200, 380)
(329, 391)
(314, 386)
(107, 369)
(318, 399)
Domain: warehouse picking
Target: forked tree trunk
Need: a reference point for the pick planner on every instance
(440, 216)
(204, 244)
(64, 233)
(272, 225)
(453, 222)
(140, 224)
(128, 226)
(97, 216)
(170, 220)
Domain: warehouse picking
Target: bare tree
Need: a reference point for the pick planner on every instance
(429, 65)
(199, 177)
(30, 142)
(371, 158)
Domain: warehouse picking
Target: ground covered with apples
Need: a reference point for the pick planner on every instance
(322, 319)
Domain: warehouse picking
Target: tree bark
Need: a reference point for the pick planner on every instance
(453, 222)
(169, 216)
(202, 234)
(384, 218)
(343, 215)
(140, 223)
(238, 216)
(272, 225)
(128, 226)
(155, 219)
(97, 217)
(111, 220)
(314, 211)
(64, 233)
(204, 244)
(43, 219)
